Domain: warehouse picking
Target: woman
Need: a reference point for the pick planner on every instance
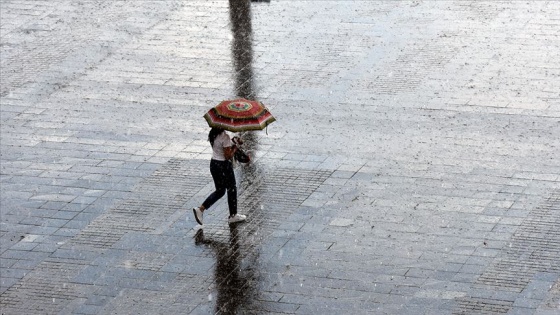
(221, 169)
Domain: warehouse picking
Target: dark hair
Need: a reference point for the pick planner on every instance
(214, 132)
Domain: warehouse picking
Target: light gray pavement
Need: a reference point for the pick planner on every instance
(413, 167)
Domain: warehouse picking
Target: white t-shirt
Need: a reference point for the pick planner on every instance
(222, 141)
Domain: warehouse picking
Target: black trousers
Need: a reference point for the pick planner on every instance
(224, 180)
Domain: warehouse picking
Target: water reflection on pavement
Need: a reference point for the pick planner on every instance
(235, 285)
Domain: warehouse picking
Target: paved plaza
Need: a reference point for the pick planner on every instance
(413, 167)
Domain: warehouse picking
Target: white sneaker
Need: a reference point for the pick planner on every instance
(197, 215)
(237, 218)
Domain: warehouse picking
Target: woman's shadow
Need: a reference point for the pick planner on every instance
(235, 285)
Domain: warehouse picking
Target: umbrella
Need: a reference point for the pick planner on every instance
(239, 115)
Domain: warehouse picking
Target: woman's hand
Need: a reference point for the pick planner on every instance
(237, 140)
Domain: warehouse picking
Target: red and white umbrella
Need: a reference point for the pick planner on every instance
(239, 115)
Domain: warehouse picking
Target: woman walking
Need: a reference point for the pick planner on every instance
(221, 169)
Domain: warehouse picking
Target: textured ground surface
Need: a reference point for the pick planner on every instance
(413, 167)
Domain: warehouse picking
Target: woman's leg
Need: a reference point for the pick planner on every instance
(218, 170)
(232, 200)
(231, 189)
(211, 200)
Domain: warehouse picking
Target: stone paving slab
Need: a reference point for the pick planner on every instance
(413, 167)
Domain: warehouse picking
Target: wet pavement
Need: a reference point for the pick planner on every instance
(413, 167)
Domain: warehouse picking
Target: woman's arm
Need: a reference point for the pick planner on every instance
(229, 152)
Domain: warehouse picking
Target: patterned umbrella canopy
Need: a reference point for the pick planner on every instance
(239, 115)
